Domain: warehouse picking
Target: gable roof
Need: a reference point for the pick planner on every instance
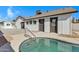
(19, 17)
(55, 12)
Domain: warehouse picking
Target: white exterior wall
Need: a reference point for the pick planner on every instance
(47, 24)
(18, 23)
(33, 27)
(7, 27)
(64, 24)
(75, 26)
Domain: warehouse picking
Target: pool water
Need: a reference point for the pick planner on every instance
(41, 44)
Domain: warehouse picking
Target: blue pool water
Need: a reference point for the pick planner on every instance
(47, 45)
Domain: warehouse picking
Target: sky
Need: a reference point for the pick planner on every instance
(11, 12)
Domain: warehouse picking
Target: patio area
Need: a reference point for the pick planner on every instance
(16, 37)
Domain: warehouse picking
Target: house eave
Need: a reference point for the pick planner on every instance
(52, 15)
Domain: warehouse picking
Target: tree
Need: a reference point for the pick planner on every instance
(38, 12)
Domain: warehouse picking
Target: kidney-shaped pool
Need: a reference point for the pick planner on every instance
(41, 44)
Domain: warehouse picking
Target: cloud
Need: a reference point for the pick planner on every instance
(0, 17)
(10, 13)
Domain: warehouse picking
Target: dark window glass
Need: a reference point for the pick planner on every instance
(26, 22)
(34, 22)
(30, 22)
(8, 24)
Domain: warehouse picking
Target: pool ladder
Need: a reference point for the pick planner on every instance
(27, 35)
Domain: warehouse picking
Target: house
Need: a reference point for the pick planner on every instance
(18, 22)
(6, 25)
(56, 21)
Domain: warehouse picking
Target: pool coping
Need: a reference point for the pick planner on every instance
(58, 37)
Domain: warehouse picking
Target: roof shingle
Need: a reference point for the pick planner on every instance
(55, 12)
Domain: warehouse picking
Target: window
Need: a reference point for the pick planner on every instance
(34, 22)
(8, 24)
(2, 23)
(30, 22)
(26, 22)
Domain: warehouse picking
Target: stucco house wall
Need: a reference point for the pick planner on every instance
(47, 24)
(7, 25)
(18, 23)
(33, 27)
(64, 24)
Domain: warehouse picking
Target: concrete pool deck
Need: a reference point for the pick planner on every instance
(17, 38)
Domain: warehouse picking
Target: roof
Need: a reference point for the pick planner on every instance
(20, 17)
(55, 12)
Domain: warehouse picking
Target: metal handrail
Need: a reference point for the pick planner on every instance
(30, 32)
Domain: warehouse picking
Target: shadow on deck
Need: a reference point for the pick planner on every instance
(4, 44)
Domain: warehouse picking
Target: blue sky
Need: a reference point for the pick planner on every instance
(11, 12)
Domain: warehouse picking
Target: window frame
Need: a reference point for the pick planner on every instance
(34, 22)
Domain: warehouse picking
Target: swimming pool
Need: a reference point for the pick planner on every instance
(41, 44)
